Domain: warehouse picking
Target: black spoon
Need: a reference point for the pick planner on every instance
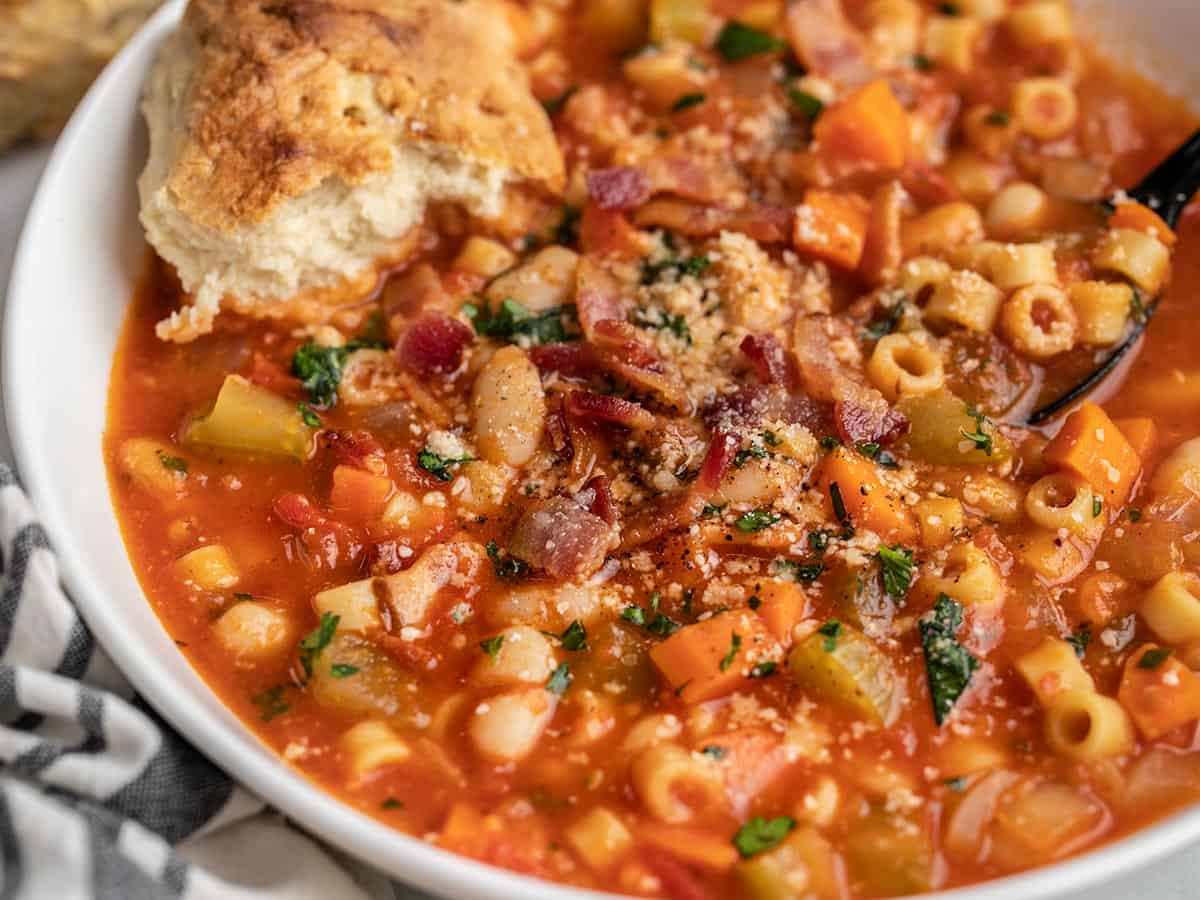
(1166, 190)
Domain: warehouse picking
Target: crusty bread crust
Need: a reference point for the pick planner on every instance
(295, 144)
(290, 92)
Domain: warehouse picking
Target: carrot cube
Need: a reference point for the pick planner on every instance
(1142, 218)
(832, 226)
(1142, 435)
(700, 848)
(713, 657)
(868, 130)
(782, 606)
(1092, 447)
(361, 493)
(852, 487)
(1161, 697)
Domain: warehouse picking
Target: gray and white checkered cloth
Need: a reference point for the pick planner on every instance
(99, 798)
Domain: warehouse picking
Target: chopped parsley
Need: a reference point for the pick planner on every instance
(948, 665)
(173, 463)
(712, 509)
(715, 751)
(320, 368)
(735, 644)
(958, 785)
(830, 631)
(270, 702)
(1097, 507)
(737, 42)
(839, 507)
(922, 63)
(1080, 639)
(980, 438)
(818, 541)
(803, 572)
(634, 614)
(875, 452)
(682, 266)
(575, 636)
(687, 101)
(1154, 657)
(491, 646)
(391, 803)
(653, 317)
(307, 416)
(242, 595)
(560, 680)
(755, 520)
(763, 669)
(662, 626)
(896, 564)
(885, 324)
(505, 566)
(1135, 514)
(997, 117)
(343, 670)
(511, 321)
(949, 9)
(554, 105)
(761, 834)
(808, 105)
(1137, 307)
(317, 640)
(439, 466)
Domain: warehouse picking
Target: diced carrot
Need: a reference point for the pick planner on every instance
(1142, 435)
(1092, 447)
(713, 657)
(832, 226)
(361, 493)
(608, 232)
(1137, 217)
(1159, 697)
(868, 130)
(692, 845)
(782, 606)
(866, 502)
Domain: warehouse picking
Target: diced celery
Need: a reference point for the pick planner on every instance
(252, 419)
(841, 664)
(945, 431)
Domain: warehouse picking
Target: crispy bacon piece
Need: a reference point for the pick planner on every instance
(325, 541)
(825, 42)
(668, 513)
(766, 224)
(560, 431)
(621, 187)
(586, 406)
(562, 539)
(867, 419)
(597, 297)
(689, 179)
(772, 364)
(597, 498)
(607, 232)
(718, 459)
(433, 344)
(623, 354)
(739, 410)
(883, 251)
(356, 448)
(573, 360)
(927, 185)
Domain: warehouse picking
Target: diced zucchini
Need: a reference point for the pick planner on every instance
(848, 669)
(803, 866)
(941, 432)
(252, 419)
(352, 676)
(893, 856)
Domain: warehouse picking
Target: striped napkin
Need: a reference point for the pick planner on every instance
(99, 798)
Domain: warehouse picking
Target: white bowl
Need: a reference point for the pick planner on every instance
(75, 271)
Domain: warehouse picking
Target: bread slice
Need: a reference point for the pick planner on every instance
(294, 144)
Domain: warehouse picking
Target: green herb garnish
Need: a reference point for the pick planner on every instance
(735, 644)
(317, 640)
(270, 702)
(560, 680)
(320, 368)
(391, 803)
(653, 317)
(831, 631)
(505, 566)
(763, 669)
(439, 466)
(948, 665)
(808, 105)
(307, 416)
(173, 463)
(761, 834)
(343, 670)
(1080, 639)
(634, 614)
(998, 118)
(896, 564)
(511, 321)
(980, 438)
(755, 520)
(1097, 507)
(715, 751)
(885, 324)
(554, 105)
(575, 636)
(1154, 657)
(491, 646)
(687, 101)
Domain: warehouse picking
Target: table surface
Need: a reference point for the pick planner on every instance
(1176, 878)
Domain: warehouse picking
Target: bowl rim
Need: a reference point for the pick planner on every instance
(409, 858)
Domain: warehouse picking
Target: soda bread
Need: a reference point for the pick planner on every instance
(294, 145)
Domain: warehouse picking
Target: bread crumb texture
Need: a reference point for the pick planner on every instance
(295, 144)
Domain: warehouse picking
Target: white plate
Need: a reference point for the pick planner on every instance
(80, 254)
